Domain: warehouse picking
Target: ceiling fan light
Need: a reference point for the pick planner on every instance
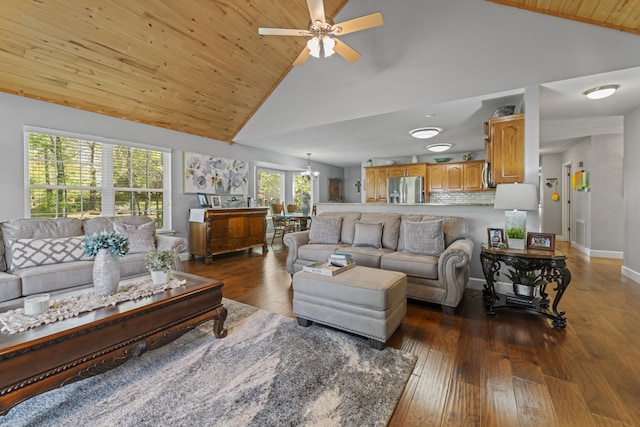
(328, 44)
(314, 47)
(601, 91)
(439, 148)
(424, 133)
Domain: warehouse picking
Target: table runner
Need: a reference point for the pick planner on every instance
(14, 321)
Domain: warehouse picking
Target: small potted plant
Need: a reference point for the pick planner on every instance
(106, 248)
(159, 262)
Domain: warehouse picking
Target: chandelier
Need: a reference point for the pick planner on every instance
(321, 43)
(310, 173)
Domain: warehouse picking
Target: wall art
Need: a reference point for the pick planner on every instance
(204, 173)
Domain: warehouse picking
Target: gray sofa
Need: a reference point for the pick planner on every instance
(433, 251)
(45, 255)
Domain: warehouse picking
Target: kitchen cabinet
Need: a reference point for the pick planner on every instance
(445, 177)
(505, 148)
(413, 169)
(462, 176)
(376, 182)
(228, 230)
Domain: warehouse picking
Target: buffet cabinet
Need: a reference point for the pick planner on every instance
(228, 230)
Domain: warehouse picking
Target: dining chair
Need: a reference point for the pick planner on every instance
(292, 208)
(281, 226)
(277, 208)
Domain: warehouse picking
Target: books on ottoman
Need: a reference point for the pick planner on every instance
(327, 269)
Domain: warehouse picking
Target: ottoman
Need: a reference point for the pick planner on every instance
(366, 301)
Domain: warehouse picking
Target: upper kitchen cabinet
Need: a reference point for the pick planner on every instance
(413, 169)
(376, 182)
(445, 177)
(505, 148)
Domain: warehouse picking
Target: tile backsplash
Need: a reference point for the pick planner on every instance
(462, 197)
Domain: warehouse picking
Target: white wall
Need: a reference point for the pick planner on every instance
(631, 192)
(17, 111)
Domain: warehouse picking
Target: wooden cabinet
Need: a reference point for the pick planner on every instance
(465, 176)
(445, 177)
(505, 148)
(413, 169)
(228, 230)
(376, 182)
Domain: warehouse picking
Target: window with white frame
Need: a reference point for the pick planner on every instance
(70, 175)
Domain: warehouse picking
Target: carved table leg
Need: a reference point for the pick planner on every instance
(218, 324)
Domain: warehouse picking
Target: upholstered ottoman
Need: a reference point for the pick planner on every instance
(367, 301)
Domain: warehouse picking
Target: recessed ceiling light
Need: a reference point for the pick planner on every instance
(601, 91)
(424, 133)
(439, 148)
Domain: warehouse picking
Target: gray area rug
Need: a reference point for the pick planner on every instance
(268, 371)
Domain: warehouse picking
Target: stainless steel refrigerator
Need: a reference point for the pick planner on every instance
(407, 189)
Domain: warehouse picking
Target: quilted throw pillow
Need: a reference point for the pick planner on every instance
(141, 237)
(34, 252)
(424, 238)
(368, 234)
(325, 230)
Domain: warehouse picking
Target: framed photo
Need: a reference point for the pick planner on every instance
(203, 200)
(496, 237)
(541, 241)
(215, 202)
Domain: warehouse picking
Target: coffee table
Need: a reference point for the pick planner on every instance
(60, 353)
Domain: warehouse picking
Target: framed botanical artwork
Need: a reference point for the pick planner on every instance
(204, 173)
(203, 200)
(215, 202)
(541, 241)
(496, 237)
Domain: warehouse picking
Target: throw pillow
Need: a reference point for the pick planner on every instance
(424, 238)
(34, 252)
(141, 237)
(325, 230)
(368, 234)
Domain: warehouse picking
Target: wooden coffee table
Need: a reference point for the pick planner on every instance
(60, 353)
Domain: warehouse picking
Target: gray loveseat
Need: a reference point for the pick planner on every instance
(45, 255)
(434, 252)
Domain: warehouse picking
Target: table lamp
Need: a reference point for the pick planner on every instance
(516, 200)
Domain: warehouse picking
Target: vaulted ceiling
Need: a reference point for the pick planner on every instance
(193, 66)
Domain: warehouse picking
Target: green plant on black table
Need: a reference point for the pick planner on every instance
(528, 278)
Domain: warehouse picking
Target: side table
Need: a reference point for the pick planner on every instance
(548, 267)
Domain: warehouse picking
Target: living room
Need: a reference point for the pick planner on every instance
(565, 48)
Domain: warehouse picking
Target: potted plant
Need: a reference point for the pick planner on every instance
(106, 248)
(159, 262)
(525, 282)
(516, 238)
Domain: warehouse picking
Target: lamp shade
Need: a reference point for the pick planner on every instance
(523, 197)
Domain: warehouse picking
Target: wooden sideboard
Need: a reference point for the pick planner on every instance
(228, 230)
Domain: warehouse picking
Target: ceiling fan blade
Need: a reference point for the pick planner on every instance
(302, 57)
(357, 24)
(345, 51)
(316, 10)
(282, 32)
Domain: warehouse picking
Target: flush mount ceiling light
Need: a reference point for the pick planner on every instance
(424, 133)
(601, 91)
(439, 148)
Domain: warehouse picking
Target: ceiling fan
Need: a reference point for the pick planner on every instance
(322, 31)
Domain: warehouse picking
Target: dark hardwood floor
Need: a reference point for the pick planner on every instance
(502, 370)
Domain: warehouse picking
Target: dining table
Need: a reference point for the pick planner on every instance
(302, 222)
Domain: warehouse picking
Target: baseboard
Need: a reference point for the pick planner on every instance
(185, 256)
(607, 254)
(477, 284)
(500, 287)
(581, 248)
(630, 274)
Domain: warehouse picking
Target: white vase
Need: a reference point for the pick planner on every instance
(106, 273)
(159, 277)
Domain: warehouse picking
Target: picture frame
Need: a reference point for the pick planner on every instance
(495, 237)
(203, 200)
(541, 241)
(216, 202)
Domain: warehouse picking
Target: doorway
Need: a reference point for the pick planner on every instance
(566, 205)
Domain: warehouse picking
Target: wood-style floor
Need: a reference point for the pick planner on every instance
(502, 370)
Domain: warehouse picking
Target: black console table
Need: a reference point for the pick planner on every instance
(546, 266)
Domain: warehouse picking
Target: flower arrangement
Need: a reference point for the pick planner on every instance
(118, 244)
(159, 259)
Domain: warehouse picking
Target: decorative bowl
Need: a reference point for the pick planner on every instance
(506, 110)
(442, 159)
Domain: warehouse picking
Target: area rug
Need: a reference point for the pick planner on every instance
(268, 371)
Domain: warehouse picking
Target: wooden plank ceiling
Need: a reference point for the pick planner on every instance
(195, 66)
(623, 15)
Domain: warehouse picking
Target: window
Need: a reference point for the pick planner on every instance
(79, 176)
(270, 187)
(301, 190)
